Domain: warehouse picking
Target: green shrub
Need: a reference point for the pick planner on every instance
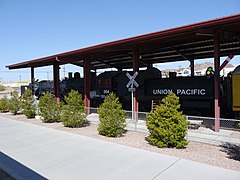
(4, 104)
(2, 87)
(27, 104)
(112, 117)
(49, 108)
(73, 113)
(14, 103)
(167, 125)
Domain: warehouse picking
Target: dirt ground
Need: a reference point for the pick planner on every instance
(6, 92)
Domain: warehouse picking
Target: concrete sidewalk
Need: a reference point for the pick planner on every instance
(34, 152)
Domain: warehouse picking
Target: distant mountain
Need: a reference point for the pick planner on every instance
(197, 67)
(208, 64)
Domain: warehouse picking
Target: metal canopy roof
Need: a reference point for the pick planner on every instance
(195, 41)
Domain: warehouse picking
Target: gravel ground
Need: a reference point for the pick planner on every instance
(221, 156)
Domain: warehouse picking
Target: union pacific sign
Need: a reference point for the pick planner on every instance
(183, 86)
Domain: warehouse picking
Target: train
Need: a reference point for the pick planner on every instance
(72, 82)
(196, 93)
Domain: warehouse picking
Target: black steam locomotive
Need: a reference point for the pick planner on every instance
(74, 82)
(196, 93)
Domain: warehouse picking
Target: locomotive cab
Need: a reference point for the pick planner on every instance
(105, 82)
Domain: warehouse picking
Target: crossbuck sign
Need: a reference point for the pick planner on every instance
(130, 85)
(132, 82)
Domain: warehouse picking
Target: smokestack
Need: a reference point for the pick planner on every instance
(76, 75)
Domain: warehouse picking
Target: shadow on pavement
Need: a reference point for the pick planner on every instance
(232, 150)
(17, 170)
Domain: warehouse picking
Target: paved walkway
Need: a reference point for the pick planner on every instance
(28, 151)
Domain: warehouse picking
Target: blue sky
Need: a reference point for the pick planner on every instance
(33, 29)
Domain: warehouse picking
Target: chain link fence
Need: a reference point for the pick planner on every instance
(209, 122)
(194, 121)
(200, 129)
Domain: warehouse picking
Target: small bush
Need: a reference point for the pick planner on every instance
(2, 87)
(112, 117)
(27, 104)
(167, 125)
(49, 108)
(14, 103)
(73, 113)
(4, 105)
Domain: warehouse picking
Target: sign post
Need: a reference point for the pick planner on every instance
(130, 85)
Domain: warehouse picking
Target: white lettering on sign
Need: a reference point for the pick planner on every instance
(162, 91)
(186, 92)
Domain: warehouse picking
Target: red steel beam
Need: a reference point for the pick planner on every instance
(32, 79)
(56, 81)
(192, 67)
(87, 82)
(216, 83)
(136, 56)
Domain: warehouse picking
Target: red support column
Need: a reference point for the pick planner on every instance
(192, 67)
(87, 82)
(135, 94)
(32, 80)
(56, 81)
(216, 83)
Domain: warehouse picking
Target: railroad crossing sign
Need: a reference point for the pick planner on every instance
(132, 81)
(130, 85)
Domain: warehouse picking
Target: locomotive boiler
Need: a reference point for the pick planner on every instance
(196, 93)
(116, 81)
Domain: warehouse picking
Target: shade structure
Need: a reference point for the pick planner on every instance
(194, 41)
